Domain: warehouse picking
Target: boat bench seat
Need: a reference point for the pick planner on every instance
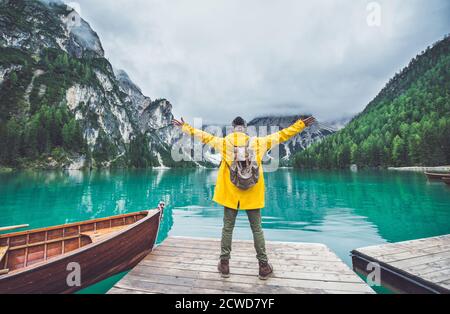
(101, 233)
(3, 250)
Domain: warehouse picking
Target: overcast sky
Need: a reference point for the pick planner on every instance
(216, 59)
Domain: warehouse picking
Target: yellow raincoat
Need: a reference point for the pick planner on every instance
(226, 193)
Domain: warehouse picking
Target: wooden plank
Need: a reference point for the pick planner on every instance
(198, 242)
(189, 265)
(2, 229)
(420, 266)
(413, 261)
(250, 249)
(246, 249)
(242, 284)
(297, 265)
(3, 250)
(445, 284)
(211, 241)
(100, 234)
(28, 245)
(146, 286)
(247, 254)
(406, 253)
(246, 245)
(284, 260)
(438, 276)
(246, 269)
(279, 273)
(425, 269)
(405, 246)
(249, 277)
(184, 285)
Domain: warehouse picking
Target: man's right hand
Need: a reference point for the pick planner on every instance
(309, 121)
(178, 123)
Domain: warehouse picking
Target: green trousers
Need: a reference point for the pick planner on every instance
(229, 220)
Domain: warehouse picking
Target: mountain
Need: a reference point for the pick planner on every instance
(407, 124)
(63, 105)
(315, 133)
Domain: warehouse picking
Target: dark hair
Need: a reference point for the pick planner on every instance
(239, 122)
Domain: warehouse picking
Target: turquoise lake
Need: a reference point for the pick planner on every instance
(341, 209)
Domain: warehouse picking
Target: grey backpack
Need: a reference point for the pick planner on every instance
(244, 169)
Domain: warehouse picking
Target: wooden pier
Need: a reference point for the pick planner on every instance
(189, 266)
(419, 266)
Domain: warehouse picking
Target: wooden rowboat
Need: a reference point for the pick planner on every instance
(67, 258)
(437, 176)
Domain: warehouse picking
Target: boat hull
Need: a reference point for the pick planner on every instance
(97, 262)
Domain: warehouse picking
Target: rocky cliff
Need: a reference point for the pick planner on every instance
(52, 60)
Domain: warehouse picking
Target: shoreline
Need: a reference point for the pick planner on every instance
(421, 169)
(4, 169)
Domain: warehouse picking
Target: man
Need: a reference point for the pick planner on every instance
(235, 198)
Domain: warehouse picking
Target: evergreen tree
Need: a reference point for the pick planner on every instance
(407, 124)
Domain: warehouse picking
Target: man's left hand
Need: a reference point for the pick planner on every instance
(309, 121)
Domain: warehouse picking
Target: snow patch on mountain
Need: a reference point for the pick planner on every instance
(5, 71)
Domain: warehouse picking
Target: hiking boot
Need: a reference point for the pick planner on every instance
(224, 268)
(265, 270)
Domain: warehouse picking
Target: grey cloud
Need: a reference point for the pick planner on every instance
(216, 59)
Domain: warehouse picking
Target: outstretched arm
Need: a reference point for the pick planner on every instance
(206, 138)
(267, 142)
